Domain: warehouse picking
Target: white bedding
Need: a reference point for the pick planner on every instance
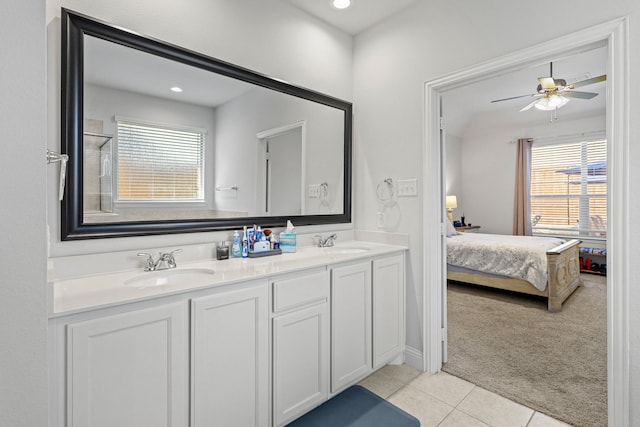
(521, 257)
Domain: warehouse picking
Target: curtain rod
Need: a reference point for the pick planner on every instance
(566, 136)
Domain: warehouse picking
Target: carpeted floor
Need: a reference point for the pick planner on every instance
(555, 363)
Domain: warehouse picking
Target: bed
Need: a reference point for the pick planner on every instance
(543, 266)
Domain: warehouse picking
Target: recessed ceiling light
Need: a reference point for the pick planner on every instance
(341, 4)
(176, 89)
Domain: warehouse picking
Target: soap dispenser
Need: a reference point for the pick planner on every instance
(236, 247)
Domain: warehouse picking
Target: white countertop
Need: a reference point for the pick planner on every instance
(78, 294)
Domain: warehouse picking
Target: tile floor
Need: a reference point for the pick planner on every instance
(447, 401)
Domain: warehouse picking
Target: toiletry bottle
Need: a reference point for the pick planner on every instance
(245, 243)
(236, 248)
(251, 238)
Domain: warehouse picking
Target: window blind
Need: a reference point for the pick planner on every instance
(157, 163)
(569, 189)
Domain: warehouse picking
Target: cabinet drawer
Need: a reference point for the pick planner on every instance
(301, 290)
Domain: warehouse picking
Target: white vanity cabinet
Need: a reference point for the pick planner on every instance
(388, 287)
(300, 343)
(350, 324)
(230, 358)
(259, 344)
(197, 359)
(129, 369)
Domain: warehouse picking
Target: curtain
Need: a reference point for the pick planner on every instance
(522, 205)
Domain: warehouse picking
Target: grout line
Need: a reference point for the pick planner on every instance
(467, 395)
(531, 418)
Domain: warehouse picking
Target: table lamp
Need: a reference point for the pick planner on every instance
(451, 203)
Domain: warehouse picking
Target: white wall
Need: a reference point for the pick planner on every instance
(433, 38)
(23, 313)
(488, 165)
(267, 36)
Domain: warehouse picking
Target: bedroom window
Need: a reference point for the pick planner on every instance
(159, 164)
(569, 189)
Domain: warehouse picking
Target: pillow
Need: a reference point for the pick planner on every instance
(451, 230)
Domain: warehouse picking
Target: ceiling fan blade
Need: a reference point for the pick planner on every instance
(528, 106)
(513, 97)
(589, 81)
(547, 82)
(581, 95)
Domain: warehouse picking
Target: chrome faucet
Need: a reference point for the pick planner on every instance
(165, 260)
(328, 242)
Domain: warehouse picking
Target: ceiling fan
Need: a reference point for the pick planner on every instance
(554, 93)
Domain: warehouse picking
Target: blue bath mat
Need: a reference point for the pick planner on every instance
(356, 407)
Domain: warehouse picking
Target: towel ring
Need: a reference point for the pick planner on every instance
(386, 191)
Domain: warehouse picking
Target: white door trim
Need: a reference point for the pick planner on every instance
(614, 35)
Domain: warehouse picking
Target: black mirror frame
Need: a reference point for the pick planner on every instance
(74, 27)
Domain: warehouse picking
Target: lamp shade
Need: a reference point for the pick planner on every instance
(551, 103)
(451, 202)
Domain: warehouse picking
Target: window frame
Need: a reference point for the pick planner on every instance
(572, 232)
(158, 202)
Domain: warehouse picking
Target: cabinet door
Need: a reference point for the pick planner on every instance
(130, 369)
(230, 359)
(300, 362)
(388, 309)
(350, 324)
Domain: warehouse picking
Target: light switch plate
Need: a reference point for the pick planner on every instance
(314, 191)
(407, 187)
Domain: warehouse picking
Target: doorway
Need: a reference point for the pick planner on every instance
(613, 34)
(281, 170)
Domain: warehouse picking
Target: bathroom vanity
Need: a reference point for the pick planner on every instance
(240, 342)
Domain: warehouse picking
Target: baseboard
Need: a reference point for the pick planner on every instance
(413, 357)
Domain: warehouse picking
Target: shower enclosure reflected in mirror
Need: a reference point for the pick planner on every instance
(163, 140)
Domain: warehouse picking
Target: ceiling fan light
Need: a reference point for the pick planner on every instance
(554, 101)
(563, 101)
(551, 103)
(543, 104)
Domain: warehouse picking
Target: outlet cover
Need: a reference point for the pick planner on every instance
(407, 187)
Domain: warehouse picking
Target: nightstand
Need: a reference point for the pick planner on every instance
(468, 228)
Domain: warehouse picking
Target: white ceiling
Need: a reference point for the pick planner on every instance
(361, 15)
(112, 65)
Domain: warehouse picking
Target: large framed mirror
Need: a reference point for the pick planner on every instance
(162, 140)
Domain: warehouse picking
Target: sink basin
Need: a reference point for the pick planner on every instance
(169, 277)
(345, 250)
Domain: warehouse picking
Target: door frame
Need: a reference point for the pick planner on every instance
(614, 35)
(262, 157)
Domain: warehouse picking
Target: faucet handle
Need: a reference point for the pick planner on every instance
(149, 263)
(171, 261)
